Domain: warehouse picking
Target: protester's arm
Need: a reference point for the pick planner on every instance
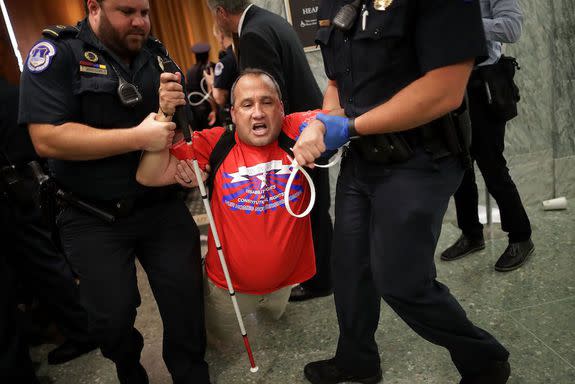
(158, 168)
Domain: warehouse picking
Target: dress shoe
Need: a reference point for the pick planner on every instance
(463, 247)
(327, 372)
(69, 350)
(301, 293)
(497, 373)
(135, 374)
(515, 255)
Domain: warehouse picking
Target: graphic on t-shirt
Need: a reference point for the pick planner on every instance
(259, 188)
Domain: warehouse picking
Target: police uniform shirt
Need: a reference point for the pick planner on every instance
(394, 44)
(226, 70)
(72, 78)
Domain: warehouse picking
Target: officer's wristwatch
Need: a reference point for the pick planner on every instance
(351, 132)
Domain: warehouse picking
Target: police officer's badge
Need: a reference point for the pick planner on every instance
(40, 56)
(381, 5)
(91, 56)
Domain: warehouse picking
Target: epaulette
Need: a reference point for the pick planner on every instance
(60, 31)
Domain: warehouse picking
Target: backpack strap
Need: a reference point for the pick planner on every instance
(286, 143)
(224, 145)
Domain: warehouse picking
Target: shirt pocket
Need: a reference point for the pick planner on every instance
(384, 36)
(98, 99)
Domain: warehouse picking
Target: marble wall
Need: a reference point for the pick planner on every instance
(540, 142)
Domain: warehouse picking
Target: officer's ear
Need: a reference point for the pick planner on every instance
(93, 6)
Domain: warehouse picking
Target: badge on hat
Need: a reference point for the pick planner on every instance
(91, 56)
(40, 56)
(381, 5)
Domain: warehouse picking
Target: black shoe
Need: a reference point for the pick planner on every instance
(463, 247)
(327, 372)
(69, 350)
(497, 373)
(301, 293)
(515, 255)
(134, 375)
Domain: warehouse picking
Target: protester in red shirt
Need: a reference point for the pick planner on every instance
(267, 250)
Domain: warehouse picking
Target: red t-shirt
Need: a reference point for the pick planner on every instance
(265, 247)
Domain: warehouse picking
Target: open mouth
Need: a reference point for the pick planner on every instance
(259, 129)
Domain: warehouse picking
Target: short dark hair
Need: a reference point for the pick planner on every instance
(232, 6)
(254, 72)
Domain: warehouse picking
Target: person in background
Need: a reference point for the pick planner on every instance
(204, 108)
(502, 21)
(225, 72)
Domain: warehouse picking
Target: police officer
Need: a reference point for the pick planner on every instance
(397, 67)
(204, 108)
(15, 364)
(28, 242)
(87, 94)
(225, 73)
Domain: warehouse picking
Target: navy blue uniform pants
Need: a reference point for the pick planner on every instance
(388, 221)
(487, 146)
(165, 239)
(43, 269)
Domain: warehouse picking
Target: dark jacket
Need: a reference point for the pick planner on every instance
(268, 42)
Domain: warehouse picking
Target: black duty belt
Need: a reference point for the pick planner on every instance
(125, 207)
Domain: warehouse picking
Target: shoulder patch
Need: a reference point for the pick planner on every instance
(40, 56)
(219, 68)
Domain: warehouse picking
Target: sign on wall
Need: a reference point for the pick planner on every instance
(302, 15)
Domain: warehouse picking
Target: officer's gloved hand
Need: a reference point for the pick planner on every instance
(336, 132)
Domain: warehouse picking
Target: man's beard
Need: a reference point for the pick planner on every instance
(117, 43)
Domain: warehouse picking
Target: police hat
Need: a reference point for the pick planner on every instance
(200, 48)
